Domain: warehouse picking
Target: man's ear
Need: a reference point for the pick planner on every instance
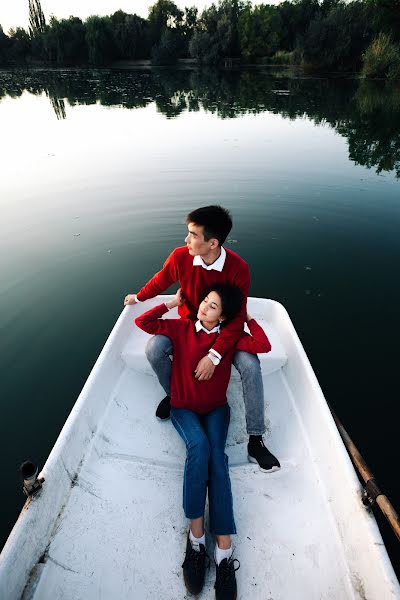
(214, 243)
(221, 319)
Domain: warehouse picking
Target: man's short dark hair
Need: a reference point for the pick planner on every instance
(231, 299)
(215, 220)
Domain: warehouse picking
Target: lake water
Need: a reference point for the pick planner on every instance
(100, 167)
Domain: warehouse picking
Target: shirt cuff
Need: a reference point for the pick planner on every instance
(166, 306)
(217, 354)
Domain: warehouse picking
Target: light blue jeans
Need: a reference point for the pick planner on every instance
(158, 351)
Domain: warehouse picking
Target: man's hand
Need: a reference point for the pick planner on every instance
(130, 299)
(205, 369)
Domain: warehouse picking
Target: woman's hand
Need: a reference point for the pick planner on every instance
(248, 317)
(177, 300)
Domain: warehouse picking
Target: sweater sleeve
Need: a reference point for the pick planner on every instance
(232, 332)
(161, 280)
(152, 322)
(257, 342)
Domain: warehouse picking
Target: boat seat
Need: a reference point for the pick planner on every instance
(134, 355)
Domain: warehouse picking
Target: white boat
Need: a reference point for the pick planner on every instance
(108, 523)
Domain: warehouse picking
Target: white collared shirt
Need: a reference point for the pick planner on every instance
(199, 327)
(217, 265)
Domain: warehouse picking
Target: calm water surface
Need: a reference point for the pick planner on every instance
(99, 168)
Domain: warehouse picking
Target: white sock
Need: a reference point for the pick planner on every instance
(197, 541)
(220, 554)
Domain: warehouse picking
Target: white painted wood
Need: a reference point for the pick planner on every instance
(109, 523)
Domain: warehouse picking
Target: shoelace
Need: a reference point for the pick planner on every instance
(224, 572)
(196, 558)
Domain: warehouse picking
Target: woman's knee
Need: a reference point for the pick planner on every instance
(198, 449)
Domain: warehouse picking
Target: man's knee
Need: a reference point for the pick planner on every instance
(246, 363)
(157, 347)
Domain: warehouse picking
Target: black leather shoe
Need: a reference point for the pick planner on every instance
(163, 411)
(194, 567)
(258, 453)
(225, 582)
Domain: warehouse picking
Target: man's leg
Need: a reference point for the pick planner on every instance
(249, 369)
(158, 351)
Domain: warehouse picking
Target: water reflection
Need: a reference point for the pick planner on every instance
(366, 113)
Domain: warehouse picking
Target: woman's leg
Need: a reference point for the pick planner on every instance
(187, 424)
(222, 522)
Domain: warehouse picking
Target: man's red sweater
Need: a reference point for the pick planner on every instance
(195, 282)
(189, 347)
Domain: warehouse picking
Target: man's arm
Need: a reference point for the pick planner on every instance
(231, 333)
(257, 342)
(158, 283)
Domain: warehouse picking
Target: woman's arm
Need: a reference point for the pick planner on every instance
(152, 321)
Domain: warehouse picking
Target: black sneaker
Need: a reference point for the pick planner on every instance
(258, 453)
(225, 582)
(194, 567)
(163, 411)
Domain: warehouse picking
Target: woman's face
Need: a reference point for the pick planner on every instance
(210, 309)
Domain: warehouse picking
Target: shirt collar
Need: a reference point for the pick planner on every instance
(199, 327)
(217, 265)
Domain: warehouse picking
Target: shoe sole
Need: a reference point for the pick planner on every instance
(162, 420)
(255, 461)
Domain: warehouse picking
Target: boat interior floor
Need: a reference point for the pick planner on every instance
(122, 533)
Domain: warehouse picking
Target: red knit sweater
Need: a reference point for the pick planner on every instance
(189, 347)
(195, 282)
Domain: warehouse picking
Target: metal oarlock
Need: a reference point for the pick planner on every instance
(32, 483)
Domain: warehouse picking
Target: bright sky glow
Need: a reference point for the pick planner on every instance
(15, 13)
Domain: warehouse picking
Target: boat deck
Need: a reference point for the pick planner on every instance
(109, 523)
(123, 532)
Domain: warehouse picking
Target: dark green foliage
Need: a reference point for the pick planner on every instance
(259, 31)
(100, 41)
(382, 58)
(166, 52)
(337, 36)
(65, 41)
(131, 35)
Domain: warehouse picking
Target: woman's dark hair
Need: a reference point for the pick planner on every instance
(215, 220)
(231, 299)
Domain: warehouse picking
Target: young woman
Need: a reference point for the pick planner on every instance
(200, 414)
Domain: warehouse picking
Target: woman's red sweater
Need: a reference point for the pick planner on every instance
(190, 347)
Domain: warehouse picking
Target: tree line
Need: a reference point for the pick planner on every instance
(330, 35)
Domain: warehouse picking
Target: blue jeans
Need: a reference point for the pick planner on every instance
(206, 466)
(158, 351)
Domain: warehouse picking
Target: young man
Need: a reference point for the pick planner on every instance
(197, 266)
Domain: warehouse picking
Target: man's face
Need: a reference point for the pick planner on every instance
(195, 241)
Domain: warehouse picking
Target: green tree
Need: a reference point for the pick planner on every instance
(162, 15)
(259, 30)
(99, 40)
(19, 45)
(131, 36)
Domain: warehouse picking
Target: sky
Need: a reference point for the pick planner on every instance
(14, 13)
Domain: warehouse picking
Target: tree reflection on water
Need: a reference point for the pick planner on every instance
(366, 113)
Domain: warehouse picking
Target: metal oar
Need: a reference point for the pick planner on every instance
(372, 493)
